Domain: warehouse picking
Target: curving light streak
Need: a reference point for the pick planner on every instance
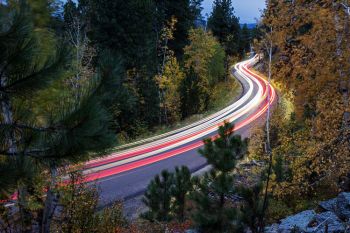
(178, 137)
(182, 138)
(175, 144)
(214, 119)
(201, 122)
(169, 144)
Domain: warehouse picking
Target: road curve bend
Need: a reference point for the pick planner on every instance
(126, 173)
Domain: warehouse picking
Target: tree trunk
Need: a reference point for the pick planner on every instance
(222, 205)
(268, 144)
(182, 202)
(25, 215)
(342, 32)
(7, 115)
(227, 68)
(49, 202)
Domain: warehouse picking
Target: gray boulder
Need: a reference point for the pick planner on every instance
(329, 219)
(342, 208)
(328, 205)
(297, 223)
(271, 229)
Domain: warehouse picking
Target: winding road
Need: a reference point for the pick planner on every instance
(126, 173)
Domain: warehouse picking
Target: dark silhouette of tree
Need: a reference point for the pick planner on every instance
(212, 213)
(158, 197)
(182, 186)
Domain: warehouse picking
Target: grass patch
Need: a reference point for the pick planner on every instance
(224, 94)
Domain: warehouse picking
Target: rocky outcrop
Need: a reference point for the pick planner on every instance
(342, 207)
(334, 218)
(328, 205)
(326, 221)
(298, 222)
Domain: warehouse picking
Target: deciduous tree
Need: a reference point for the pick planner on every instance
(205, 58)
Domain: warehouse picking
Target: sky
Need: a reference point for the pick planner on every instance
(246, 10)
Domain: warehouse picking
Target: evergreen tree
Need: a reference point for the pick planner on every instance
(211, 192)
(256, 33)
(166, 195)
(279, 169)
(26, 68)
(190, 94)
(43, 12)
(225, 26)
(126, 30)
(40, 127)
(186, 12)
(252, 208)
(180, 190)
(70, 12)
(123, 27)
(245, 39)
(158, 197)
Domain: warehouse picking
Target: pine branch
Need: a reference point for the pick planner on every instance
(40, 129)
(41, 77)
(32, 153)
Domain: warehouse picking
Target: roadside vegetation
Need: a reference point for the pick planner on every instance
(223, 94)
(81, 77)
(310, 127)
(78, 76)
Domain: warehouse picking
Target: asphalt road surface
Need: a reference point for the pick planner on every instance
(126, 173)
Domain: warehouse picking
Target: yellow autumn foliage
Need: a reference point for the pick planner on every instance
(311, 60)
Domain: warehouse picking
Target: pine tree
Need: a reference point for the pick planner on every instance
(123, 27)
(186, 12)
(225, 26)
(279, 169)
(40, 127)
(245, 39)
(86, 129)
(126, 29)
(43, 12)
(190, 94)
(158, 197)
(252, 208)
(211, 192)
(180, 190)
(27, 66)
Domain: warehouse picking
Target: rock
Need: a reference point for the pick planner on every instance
(296, 223)
(191, 231)
(328, 205)
(318, 225)
(343, 206)
(271, 229)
